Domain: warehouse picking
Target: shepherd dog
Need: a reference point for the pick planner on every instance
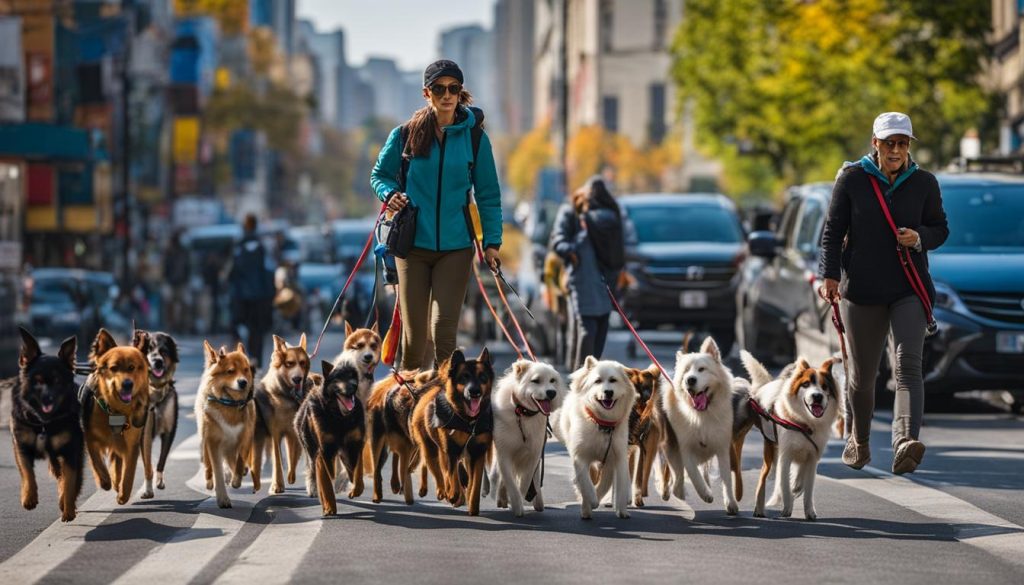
(331, 425)
(226, 417)
(523, 400)
(453, 424)
(808, 398)
(278, 397)
(388, 418)
(593, 424)
(161, 353)
(362, 349)
(696, 414)
(115, 404)
(45, 422)
(644, 430)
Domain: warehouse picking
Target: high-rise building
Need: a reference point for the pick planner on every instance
(515, 56)
(472, 47)
(328, 49)
(387, 86)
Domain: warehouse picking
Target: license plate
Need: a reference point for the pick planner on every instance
(693, 299)
(1010, 342)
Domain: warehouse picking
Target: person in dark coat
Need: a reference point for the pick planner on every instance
(588, 236)
(252, 290)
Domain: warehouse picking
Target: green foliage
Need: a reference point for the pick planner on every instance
(277, 112)
(792, 87)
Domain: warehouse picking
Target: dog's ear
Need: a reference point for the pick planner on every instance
(172, 348)
(711, 348)
(140, 340)
(589, 363)
(68, 350)
(687, 339)
(520, 368)
(348, 328)
(240, 348)
(485, 356)
(302, 342)
(451, 365)
(29, 348)
(654, 370)
(633, 374)
(279, 344)
(376, 328)
(209, 354)
(327, 367)
(103, 343)
(802, 364)
(827, 365)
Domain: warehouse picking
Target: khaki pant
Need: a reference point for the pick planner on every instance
(431, 284)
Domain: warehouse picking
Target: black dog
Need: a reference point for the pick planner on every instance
(161, 353)
(45, 422)
(330, 424)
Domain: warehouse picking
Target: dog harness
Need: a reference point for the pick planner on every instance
(522, 411)
(483, 423)
(606, 426)
(771, 433)
(239, 404)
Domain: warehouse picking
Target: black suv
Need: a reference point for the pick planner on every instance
(683, 253)
(978, 275)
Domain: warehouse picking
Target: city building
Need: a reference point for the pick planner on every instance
(472, 47)
(514, 53)
(329, 51)
(1004, 75)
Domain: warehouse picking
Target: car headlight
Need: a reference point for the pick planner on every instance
(946, 298)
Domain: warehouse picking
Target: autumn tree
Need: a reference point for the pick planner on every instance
(532, 153)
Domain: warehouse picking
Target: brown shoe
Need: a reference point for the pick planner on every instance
(908, 456)
(856, 455)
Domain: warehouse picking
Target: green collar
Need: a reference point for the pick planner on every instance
(118, 422)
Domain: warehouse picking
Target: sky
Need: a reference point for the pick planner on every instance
(405, 30)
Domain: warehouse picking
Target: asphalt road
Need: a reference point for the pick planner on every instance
(958, 520)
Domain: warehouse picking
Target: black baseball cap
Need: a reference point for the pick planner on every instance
(439, 69)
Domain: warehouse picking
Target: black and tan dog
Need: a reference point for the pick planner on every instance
(278, 397)
(115, 403)
(644, 429)
(45, 422)
(331, 424)
(161, 353)
(453, 423)
(388, 416)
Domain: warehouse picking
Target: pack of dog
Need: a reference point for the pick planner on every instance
(161, 352)
(331, 425)
(452, 424)
(45, 422)
(278, 396)
(226, 417)
(593, 424)
(115, 405)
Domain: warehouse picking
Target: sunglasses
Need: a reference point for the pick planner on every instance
(891, 144)
(438, 89)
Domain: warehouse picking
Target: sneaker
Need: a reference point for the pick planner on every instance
(856, 455)
(908, 456)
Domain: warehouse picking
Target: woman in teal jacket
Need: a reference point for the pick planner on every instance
(442, 171)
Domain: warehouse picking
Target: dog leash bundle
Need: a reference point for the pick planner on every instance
(636, 335)
(511, 314)
(906, 261)
(348, 281)
(483, 293)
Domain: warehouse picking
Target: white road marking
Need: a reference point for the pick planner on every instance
(262, 562)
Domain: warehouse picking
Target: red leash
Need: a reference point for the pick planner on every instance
(636, 335)
(483, 293)
(906, 261)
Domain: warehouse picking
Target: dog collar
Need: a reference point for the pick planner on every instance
(777, 420)
(239, 404)
(522, 410)
(116, 421)
(604, 424)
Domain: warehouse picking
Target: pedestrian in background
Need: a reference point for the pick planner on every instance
(442, 169)
(252, 290)
(177, 271)
(588, 236)
(862, 271)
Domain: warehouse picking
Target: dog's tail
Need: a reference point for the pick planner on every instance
(759, 375)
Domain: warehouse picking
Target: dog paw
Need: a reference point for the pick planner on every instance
(518, 513)
(732, 508)
(105, 484)
(146, 494)
(538, 506)
(209, 484)
(708, 498)
(122, 499)
(236, 482)
(223, 503)
(29, 501)
(291, 477)
(786, 513)
(585, 514)
(355, 493)
(67, 516)
(810, 515)
(638, 501)
(277, 489)
(623, 514)
(160, 481)
(758, 513)
(328, 512)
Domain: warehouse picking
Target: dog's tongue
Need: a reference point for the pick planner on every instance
(608, 404)
(700, 401)
(158, 372)
(47, 408)
(347, 401)
(474, 407)
(817, 410)
(544, 406)
(125, 396)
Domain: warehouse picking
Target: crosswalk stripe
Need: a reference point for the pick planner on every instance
(262, 561)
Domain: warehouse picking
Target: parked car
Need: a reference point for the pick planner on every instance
(349, 236)
(978, 275)
(64, 302)
(683, 253)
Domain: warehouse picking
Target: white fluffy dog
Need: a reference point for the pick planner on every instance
(522, 401)
(698, 414)
(593, 423)
(810, 400)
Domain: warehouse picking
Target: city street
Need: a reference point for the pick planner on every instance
(957, 520)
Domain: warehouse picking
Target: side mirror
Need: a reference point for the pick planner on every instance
(763, 244)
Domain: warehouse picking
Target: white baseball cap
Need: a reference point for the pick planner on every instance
(891, 123)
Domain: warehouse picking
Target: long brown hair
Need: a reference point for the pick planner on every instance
(421, 127)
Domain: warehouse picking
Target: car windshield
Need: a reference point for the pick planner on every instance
(984, 217)
(52, 292)
(684, 223)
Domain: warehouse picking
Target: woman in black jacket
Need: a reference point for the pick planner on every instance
(860, 265)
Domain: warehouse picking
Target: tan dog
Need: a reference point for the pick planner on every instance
(115, 402)
(644, 429)
(226, 417)
(278, 397)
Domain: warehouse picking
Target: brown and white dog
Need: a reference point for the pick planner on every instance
(808, 399)
(278, 397)
(362, 350)
(453, 424)
(226, 417)
(644, 429)
(115, 402)
(161, 353)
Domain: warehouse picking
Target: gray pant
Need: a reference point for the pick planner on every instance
(867, 329)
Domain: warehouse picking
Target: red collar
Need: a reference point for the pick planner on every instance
(522, 410)
(604, 424)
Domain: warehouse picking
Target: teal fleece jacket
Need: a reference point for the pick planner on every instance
(439, 184)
